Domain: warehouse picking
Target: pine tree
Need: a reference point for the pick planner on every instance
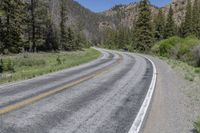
(33, 25)
(170, 27)
(51, 39)
(70, 44)
(1, 37)
(63, 32)
(1, 28)
(14, 20)
(144, 28)
(38, 19)
(187, 26)
(159, 25)
(196, 18)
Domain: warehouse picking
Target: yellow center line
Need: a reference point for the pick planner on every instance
(33, 99)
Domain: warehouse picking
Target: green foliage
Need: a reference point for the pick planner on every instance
(177, 48)
(170, 27)
(41, 63)
(1, 66)
(12, 22)
(1, 13)
(189, 77)
(31, 62)
(196, 18)
(52, 37)
(187, 24)
(117, 39)
(197, 125)
(59, 61)
(196, 55)
(144, 28)
(197, 70)
(8, 65)
(63, 28)
(164, 47)
(159, 26)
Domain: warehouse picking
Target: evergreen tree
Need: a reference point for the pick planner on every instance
(33, 25)
(196, 18)
(187, 26)
(52, 39)
(13, 22)
(63, 32)
(159, 25)
(170, 27)
(109, 38)
(1, 28)
(70, 44)
(37, 24)
(144, 29)
(1, 36)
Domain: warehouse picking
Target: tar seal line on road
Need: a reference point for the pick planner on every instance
(137, 124)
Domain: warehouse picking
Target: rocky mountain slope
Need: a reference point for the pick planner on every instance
(127, 14)
(93, 23)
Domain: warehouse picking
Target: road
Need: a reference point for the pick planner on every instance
(103, 96)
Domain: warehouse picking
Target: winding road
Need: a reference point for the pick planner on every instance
(103, 96)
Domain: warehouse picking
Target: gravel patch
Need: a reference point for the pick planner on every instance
(176, 103)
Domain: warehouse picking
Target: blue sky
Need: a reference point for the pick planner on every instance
(101, 5)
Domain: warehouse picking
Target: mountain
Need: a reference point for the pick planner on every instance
(93, 23)
(78, 16)
(127, 14)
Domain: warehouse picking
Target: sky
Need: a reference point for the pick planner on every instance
(102, 5)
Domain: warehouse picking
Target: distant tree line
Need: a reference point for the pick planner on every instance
(148, 30)
(28, 26)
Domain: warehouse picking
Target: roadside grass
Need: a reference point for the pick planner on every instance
(190, 73)
(29, 65)
(197, 125)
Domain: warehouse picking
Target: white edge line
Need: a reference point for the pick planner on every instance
(137, 124)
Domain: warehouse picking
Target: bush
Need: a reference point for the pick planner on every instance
(197, 125)
(59, 61)
(164, 48)
(1, 66)
(8, 65)
(196, 55)
(178, 48)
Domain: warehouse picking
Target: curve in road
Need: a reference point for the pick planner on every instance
(102, 96)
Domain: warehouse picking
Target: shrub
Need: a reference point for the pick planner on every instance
(1, 66)
(197, 70)
(196, 55)
(164, 47)
(197, 125)
(59, 61)
(183, 49)
(8, 65)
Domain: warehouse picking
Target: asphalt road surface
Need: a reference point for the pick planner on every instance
(103, 96)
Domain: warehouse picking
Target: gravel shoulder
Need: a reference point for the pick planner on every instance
(176, 102)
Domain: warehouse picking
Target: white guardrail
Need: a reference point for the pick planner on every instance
(137, 124)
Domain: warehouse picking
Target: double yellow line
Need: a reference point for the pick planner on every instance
(33, 99)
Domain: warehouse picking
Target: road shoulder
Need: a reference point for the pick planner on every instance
(172, 110)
